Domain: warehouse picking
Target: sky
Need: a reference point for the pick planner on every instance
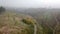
(31, 3)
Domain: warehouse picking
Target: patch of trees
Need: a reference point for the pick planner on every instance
(51, 23)
(2, 9)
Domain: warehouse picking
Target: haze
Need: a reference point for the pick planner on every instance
(31, 3)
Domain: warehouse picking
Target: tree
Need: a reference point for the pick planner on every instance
(53, 17)
(2, 9)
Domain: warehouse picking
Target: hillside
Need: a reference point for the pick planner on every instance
(11, 23)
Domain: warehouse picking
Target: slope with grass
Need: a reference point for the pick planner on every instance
(11, 23)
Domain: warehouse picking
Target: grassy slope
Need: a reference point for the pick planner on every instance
(11, 22)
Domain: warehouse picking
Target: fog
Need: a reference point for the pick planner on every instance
(31, 3)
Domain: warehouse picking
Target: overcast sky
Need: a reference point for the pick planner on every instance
(31, 3)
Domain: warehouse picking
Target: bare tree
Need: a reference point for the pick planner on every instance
(56, 26)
